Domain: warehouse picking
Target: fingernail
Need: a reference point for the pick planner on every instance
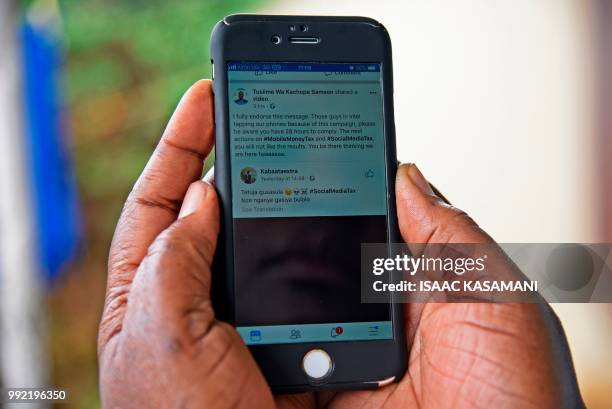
(209, 177)
(193, 198)
(412, 171)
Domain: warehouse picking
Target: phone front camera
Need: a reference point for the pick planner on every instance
(303, 28)
(276, 39)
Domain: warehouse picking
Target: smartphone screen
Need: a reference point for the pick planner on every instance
(308, 188)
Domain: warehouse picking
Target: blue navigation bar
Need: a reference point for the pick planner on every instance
(285, 334)
(303, 67)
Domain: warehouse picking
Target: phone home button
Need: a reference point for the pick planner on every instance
(317, 364)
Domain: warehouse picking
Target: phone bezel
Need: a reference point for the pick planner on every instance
(358, 364)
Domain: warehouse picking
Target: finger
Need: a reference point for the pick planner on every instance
(176, 271)
(424, 218)
(155, 200)
(195, 202)
(156, 197)
(170, 307)
(186, 249)
(304, 400)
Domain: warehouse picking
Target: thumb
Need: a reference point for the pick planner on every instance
(425, 218)
(197, 229)
(195, 200)
(176, 271)
(197, 225)
(193, 237)
(170, 328)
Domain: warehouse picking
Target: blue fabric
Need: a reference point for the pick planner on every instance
(54, 193)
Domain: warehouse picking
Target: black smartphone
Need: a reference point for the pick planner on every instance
(305, 167)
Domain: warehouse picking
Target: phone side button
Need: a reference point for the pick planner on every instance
(317, 364)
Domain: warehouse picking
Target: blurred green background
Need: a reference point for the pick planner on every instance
(127, 64)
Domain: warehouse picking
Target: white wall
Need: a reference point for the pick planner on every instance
(494, 102)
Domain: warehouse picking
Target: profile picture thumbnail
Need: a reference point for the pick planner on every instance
(240, 96)
(248, 175)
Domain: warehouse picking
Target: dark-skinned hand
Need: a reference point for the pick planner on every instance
(160, 345)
